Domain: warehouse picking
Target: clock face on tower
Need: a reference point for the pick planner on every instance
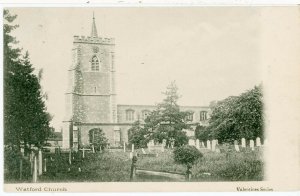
(95, 49)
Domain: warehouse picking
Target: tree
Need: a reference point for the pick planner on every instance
(99, 141)
(187, 155)
(202, 133)
(167, 121)
(238, 116)
(26, 120)
(138, 135)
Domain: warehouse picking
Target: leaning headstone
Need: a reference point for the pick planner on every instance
(208, 144)
(213, 145)
(243, 143)
(197, 144)
(144, 152)
(252, 144)
(236, 146)
(258, 143)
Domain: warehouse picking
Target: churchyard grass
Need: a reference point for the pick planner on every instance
(114, 165)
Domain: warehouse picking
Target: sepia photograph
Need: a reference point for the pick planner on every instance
(135, 94)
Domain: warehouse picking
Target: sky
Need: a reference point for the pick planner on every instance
(211, 52)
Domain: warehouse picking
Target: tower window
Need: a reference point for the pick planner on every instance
(95, 64)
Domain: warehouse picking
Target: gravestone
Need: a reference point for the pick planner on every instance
(35, 172)
(40, 169)
(150, 144)
(236, 146)
(93, 148)
(202, 145)
(218, 148)
(258, 143)
(213, 145)
(45, 165)
(124, 146)
(130, 155)
(144, 152)
(191, 142)
(208, 145)
(197, 144)
(252, 144)
(132, 148)
(243, 143)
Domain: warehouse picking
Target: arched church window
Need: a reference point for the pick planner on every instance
(95, 64)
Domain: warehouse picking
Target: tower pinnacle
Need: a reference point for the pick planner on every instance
(94, 29)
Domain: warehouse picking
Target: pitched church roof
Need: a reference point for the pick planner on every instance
(94, 28)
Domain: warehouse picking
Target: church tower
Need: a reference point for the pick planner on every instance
(91, 96)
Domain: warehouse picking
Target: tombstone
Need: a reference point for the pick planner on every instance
(70, 157)
(191, 142)
(197, 144)
(144, 152)
(172, 143)
(202, 145)
(213, 145)
(258, 141)
(162, 147)
(45, 165)
(93, 148)
(35, 172)
(40, 169)
(22, 151)
(236, 146)
(208, 145)
(243, 143)
(124, 146)
(164, 142)
(130, 155)
(218, 148)
(132, 148)
(252, 144)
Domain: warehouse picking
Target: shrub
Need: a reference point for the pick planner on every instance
(186, 154)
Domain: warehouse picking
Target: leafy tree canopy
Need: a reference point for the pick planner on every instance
(167, 121)
(238, 116)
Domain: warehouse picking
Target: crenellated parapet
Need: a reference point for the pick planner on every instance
(98, 40)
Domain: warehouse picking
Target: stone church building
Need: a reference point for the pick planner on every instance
(91, 96)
